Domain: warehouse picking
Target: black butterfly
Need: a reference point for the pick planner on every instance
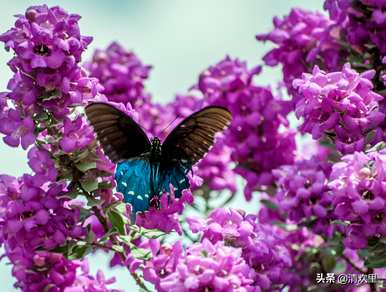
(145, 169)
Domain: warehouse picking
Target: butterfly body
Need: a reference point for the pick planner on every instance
(146, 169)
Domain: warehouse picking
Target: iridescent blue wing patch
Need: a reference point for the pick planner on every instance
(140, 181)
(133, 179)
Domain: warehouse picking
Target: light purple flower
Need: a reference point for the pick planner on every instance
(165, 217)
(42, 164)
(77, 134)
(263, 246)
(358, 184)
(203, 266)
(341, 105)
(121, 73)
(302, 38)
(17, 129)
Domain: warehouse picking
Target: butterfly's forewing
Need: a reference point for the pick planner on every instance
(193, 137)
(120, 136)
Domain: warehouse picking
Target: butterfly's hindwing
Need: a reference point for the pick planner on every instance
(133, 179)
(119, 135)
(139, 181)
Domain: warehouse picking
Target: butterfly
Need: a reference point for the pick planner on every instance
(145, 169)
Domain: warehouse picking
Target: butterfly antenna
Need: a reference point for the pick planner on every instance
(163, 131)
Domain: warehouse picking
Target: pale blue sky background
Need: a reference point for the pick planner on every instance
(179, 37)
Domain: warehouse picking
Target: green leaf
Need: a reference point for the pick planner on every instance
(91, 201)
(140, 253)
(152, 233)
(79, 251)
(82, 155)
(84, 213)
(106, 237)
(328, 260)
(118, 248)
(376, 263)
(86, 165)
(340, 222)
(71, 195)
(269, 204)
(90, 185)
(120, 207)
(125, 239)
(90, 236)
(117, 221)
(105, 185)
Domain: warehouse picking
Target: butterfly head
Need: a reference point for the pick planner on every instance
(155, 147)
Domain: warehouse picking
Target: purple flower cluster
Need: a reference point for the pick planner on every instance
(341, 105)
(303, 194)
(205, 265)
(263, 247)
(303, 38)
(208, 266)
(47, 46)
(258, 135)
(33, 218)
(77, 134)
(316, 202)
(17, 128)
(122, 75)
(165, 217)
(358, 184)
(55, 273)
(363, 22)
(36, 213)
(235, 253)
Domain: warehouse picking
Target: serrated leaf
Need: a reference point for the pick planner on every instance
(140, 253)
(86, 165)
(269, 204)
(117, 221)
(90, 185)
